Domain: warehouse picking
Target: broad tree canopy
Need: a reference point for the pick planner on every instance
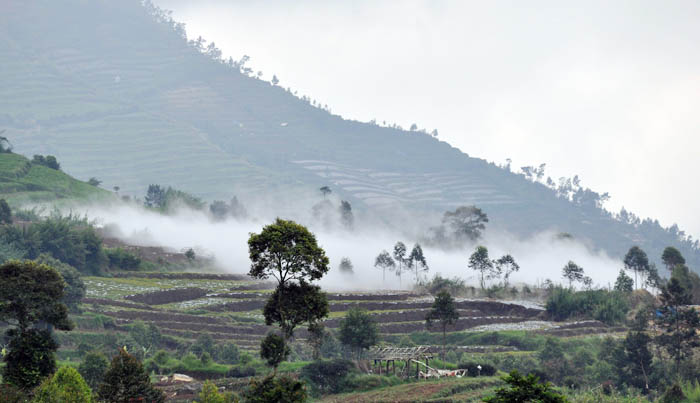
(286, 251)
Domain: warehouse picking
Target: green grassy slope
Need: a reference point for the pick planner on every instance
(23, 182)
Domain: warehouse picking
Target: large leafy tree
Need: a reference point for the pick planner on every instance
(286, 251)
(30, 297)
(30, 357)
(358, 331)
(678, 321)
(671, 257)
(465, 223)
(479, 261)
(384, 261)
(75, 287)
(32, 293)
(293, 304)
(445, 313)
(127, 381)
(636, 260)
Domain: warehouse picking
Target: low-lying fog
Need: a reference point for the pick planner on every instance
(540, 257)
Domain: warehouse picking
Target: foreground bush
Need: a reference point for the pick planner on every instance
(606, 306)
(126, 381)
(473, 369)
(66, 385)
(275, 389)
(210, 394)
(327, 376)
(525, 389)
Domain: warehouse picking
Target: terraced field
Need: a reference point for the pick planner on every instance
(228, 307)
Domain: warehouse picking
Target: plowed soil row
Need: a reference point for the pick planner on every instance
(149, 316)
(112, 302)
(185, 276)
(168, 296)
(405, 316)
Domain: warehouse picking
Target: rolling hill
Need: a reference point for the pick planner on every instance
(22, 181)
(116, 91)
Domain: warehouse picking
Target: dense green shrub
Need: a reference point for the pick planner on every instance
(70, 239)
(275, 389)
(127, 380)
(473, 368)
(362, 382)
(241, 371)
(93, 368)
(607, 306)
(327, 376)
(121, 259)
(66, 385)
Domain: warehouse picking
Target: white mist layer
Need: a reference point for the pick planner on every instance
(540, 257)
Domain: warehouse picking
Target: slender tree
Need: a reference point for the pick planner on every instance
(506, 265)
(679, 322)
(572, 272)
(417, 260)
(445, 312)
(479, 261)
(400, 258)
(636, 260)
(384, 262)
(5, 212)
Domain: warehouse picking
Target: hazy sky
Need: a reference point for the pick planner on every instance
(606, 90)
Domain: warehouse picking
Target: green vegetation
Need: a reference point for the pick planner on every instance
(127, 380)
(24, 181)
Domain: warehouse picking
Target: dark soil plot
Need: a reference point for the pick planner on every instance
(373, 297)
(405, 316)
(486, 307)
(185, 276)
(462, 324)
(164, 317)
(237, 306)
(111, 302)
(168, 296)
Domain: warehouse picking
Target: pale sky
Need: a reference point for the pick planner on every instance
(606, 90)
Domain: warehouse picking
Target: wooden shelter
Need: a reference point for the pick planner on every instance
(385, 357)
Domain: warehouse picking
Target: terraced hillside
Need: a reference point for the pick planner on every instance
(115, 91)
(229, 308)
(21, 182)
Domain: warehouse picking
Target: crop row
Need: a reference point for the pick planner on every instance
(168, 296)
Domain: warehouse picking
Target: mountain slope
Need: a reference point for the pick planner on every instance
(116, 91)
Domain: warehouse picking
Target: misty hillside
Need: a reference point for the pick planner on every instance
(115, 91)
(24, 181)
